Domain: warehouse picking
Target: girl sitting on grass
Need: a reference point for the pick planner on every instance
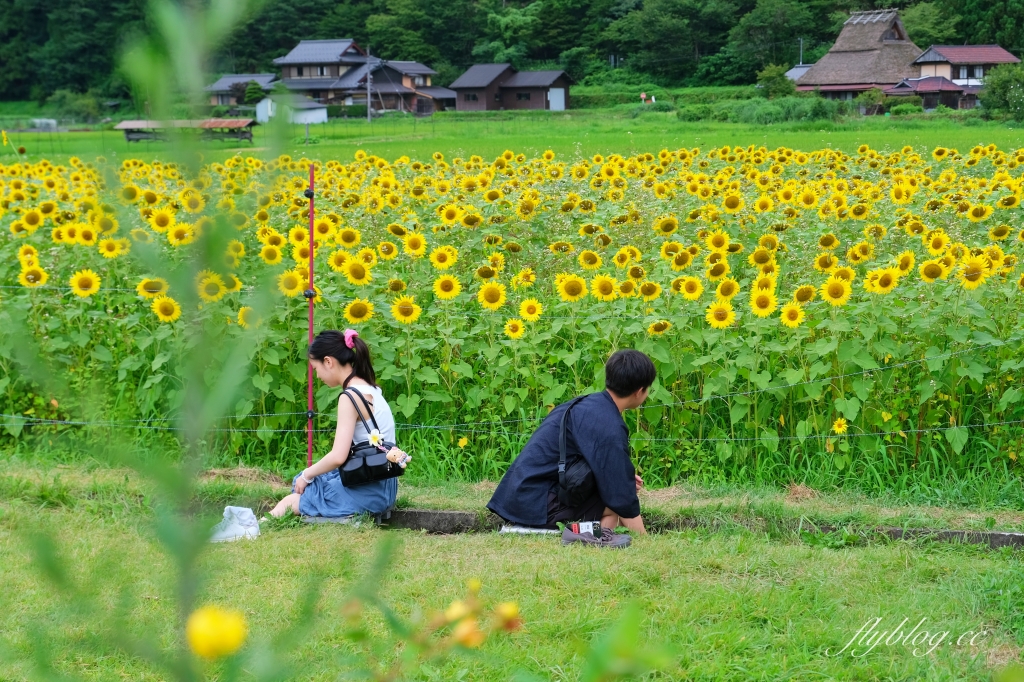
(343, 359)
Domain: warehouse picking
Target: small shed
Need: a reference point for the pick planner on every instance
(478, 88)
(300, 110)
(536, 90)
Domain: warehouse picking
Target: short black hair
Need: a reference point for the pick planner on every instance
(627, 371)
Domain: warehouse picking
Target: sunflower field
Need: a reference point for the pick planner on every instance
(806, 310)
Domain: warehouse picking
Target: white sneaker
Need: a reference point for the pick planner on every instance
(238, 522)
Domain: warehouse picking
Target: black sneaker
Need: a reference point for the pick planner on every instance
(607, 539)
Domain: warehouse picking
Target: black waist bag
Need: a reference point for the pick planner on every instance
(366, 462)
(576, 482)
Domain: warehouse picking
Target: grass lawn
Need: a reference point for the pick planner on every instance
(569, 134)
(728, 604)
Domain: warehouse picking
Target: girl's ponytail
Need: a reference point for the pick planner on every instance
(347, 349)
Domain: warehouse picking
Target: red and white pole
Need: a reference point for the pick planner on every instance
(310, 294)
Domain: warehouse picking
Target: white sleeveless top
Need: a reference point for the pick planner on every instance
(381, 412)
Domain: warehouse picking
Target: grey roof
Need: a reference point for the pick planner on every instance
(797, 71)
(309, 83)
(532, 79)
(353, 77)
(411, 68)
(294, 101)
(437, 92)
(479, 76)
(224, 83)
(318, 52)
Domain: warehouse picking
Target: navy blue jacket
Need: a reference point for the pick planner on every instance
(595, 430)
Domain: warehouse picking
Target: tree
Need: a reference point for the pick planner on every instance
(927, 24)
(672, 38)
(1004, 90)
(774, 82)
(770, 33)
(253, 93)
(510, 34)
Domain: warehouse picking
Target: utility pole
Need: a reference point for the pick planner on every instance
(369, 77)
(801, 50)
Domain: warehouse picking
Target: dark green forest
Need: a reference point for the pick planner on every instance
(50, 45)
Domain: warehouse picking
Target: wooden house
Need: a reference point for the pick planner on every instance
(872, 51)
(490, 87)
(963, 64)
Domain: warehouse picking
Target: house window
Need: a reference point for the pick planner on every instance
(979, 71)
(321, 70)
(963, 72)
(418, 80)
(497, 96)
(469, 96)
(522, 96)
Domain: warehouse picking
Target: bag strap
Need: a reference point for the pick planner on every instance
(562, 491)
(360, 414)
(369, 407)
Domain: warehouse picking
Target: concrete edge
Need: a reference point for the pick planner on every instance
(443, 522)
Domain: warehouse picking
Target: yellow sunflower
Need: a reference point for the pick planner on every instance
(358, 310)
(405, 310)
(720, 314)
(973, 271)
(763, 302)
(491, 295)
(589, 260)
(357, 273)
(658, 328)
(649, 290)
(447, 287)
(110, 248)
(85, 283)
(33, 276)
(443, 257)
(931, 270)
(691, 288)
(415, 245)
(836, 291)
(514, 328)
(212, 288)
(166, 308)
(792, 315)
(290, 283)
(247, 318)
(727, 288)
(531, 310)
(572, 288)
(603, 288)
(804, 293)
(152, 287)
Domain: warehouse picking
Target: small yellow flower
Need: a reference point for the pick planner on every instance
(468, 634)
(840, 425)
(463, 442)
(213, 632)
(457, 610)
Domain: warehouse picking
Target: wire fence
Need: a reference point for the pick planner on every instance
(470, 426)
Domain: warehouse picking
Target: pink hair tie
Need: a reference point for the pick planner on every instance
(350, 334)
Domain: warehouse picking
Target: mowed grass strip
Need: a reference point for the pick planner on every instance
(569, 134)
(119, 492)
(729, 605)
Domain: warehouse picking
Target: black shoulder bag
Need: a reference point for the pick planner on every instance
(576, 482)
(367, 463)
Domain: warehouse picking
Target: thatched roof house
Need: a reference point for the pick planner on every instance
(872, 51)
